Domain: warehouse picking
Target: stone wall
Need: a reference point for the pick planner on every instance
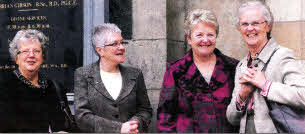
(289, 24)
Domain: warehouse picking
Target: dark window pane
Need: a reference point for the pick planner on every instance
(120, 13)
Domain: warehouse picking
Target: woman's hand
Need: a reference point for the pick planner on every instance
(130, 127)
(254, 77)
(61, 132)
(246, 89)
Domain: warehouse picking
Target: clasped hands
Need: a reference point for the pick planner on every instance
(249, 79)
(130, 127)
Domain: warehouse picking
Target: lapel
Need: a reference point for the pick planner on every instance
(129, 81)
(268, 50)
(95, 80)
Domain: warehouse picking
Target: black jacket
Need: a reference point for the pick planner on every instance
(27, 109)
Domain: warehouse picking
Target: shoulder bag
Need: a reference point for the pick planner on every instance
(285, 118)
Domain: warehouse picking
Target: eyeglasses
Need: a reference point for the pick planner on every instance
(116, 44)
(253, 24)
(27, 52)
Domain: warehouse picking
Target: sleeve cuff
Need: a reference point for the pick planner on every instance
(266, 87)
(240, 105)
(140, 123)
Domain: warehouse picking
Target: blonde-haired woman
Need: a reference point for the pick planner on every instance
(197, 88)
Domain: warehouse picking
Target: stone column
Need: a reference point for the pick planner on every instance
(175, 14)
(147, 49)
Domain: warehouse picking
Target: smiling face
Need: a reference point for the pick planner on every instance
(254, 36)
(202, 39)
(29, 57)
(114, 50)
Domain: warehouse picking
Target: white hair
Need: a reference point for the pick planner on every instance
(102, 32)
(258, 4)
(28, 35)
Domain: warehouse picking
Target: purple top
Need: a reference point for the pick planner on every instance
(189, 104)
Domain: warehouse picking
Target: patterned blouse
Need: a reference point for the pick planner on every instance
(188, 104)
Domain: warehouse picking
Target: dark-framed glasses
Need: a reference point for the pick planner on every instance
(253, 24)
(27, 52)
(116, 44)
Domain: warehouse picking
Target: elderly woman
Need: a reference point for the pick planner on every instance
(197, 88)
(28, 100)
(109, 96)
(282, 81)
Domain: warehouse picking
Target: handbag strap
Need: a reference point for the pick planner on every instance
(59, 95)
(265, 66)
(62, 102)
(263, 70)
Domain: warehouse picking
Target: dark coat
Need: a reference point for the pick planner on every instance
(27, 109)
(97, 111)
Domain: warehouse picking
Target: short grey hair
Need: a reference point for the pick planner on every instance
(28, 35)
(199, 15)
(255, 3)
(102, 32)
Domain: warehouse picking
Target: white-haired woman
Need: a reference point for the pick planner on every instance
(282, 81)
(28, 100)
(109, 96)
(197, 88)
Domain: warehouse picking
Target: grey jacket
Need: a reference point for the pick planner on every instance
(97, 111)
(288, 87)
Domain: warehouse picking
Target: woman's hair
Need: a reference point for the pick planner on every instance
(102, 32)
(200, 15)
(256, 4)
(28, 35)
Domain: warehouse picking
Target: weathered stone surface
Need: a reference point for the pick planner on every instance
(175, 14)
(175, 50)
(150, 56)
(154, 100)
(288, 34)
(286, 10)
(303, 38)
(149, 18)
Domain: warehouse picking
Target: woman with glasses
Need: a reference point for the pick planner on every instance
(269, 73)
(28, 100)
(197, 88)
(110, 97)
